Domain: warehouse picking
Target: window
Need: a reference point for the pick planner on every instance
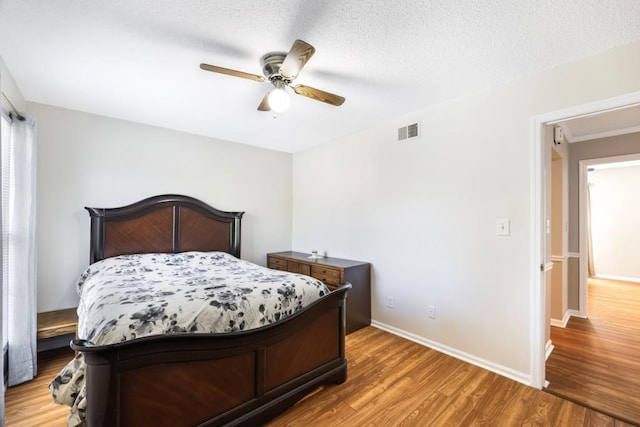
(5, 134)
(18, 244)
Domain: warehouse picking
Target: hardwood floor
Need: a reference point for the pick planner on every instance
(392, 382)
(29, 404)
(395, 382)
(596, 361)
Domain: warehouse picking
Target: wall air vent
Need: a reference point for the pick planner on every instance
(409, 132)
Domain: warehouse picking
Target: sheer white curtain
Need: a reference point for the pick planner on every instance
(2, 310)
(18, 246)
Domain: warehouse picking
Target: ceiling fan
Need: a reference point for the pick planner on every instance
(281, 69)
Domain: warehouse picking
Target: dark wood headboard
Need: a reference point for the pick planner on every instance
(166, 223)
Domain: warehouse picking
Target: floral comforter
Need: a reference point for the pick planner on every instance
(131, 296)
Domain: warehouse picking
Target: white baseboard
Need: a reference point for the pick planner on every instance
(621, 278)
(548, 349)
(558, 323)
(562, 323)
(520, 377)
(575, 313)
(565, 319)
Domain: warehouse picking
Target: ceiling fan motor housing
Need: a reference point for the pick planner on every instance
(271, 63)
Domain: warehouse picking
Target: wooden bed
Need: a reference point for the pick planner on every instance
(243, 378)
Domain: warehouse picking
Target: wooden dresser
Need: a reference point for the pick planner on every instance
(333, 272)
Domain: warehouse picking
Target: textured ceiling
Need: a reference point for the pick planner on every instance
(138, 60)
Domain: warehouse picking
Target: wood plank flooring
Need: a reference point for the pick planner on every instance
(392, 382)
(596, 361)
(395, 382)
(29, 404)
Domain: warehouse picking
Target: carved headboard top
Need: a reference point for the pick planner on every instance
(165, 223)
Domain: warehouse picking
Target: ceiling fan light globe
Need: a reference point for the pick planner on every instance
(278, 100)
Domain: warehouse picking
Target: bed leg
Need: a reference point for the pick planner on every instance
(340, 376)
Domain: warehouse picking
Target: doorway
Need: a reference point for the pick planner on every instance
(584, 167)
(595, 352)
(540, 143)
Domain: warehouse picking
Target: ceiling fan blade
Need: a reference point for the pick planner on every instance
(299, 54)
(230, 72)
(264, 105)
(319, 95)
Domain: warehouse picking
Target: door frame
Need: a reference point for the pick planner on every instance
(538, 215)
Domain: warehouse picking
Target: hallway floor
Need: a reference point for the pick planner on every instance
(596, 361)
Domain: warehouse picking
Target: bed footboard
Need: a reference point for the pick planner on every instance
(244, 378)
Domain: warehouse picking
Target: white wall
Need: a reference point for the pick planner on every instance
(615, 221)
(89, 160)
(424, 212)
(10, 89)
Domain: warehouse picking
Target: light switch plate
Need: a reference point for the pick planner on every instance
(502, 227)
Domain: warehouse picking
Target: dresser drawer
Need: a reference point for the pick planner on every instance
(328, 275)
(277, 264)
(293, 266)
